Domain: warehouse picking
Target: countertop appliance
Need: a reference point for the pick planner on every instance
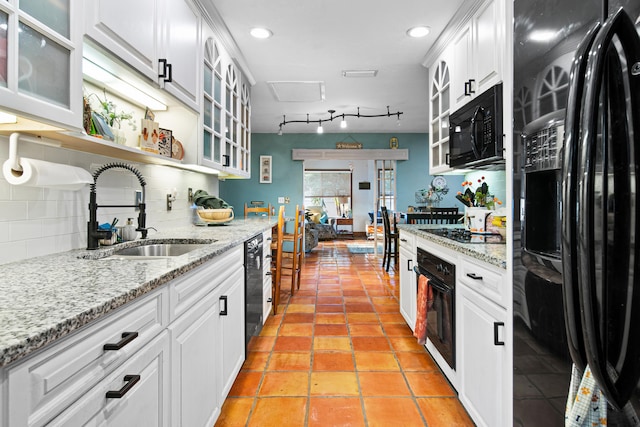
(441, 316)
(463, 235)
(476, 133)
(576, 139)
(253, 284)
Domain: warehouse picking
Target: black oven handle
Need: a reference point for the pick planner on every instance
(433, 281)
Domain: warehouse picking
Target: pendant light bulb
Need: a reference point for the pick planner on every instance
(320, 130)
(280, 131)
(343, 123)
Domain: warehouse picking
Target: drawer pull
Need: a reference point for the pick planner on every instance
(403, 240)
(474, 276)
(496, 340)
(130, 381)
(127, 337)
(223, 311)
(409, 267)
(269, 300)
(268, 273)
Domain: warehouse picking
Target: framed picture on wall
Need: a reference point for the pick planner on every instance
(265, 169)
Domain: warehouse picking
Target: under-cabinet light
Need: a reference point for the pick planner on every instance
(119, 86)
(6, 118)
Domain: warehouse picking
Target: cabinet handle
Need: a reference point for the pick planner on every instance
(403, 240)
(446, 159)
(474, 276)
(496, 340)
(226, 160)
(127, 337)
(467, 88)
(163, 62)
(130, 380)
(409, 267)
(471, 82)
(169, 77)
(223, 311)
(268, 273)
(269, 256)
(269, 299)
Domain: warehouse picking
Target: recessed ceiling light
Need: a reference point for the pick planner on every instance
(418, 32)
(261, 33)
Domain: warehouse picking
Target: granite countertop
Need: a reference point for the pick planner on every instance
(495, 254)
(45, 298)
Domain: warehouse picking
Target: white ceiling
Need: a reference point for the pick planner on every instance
(314, 41)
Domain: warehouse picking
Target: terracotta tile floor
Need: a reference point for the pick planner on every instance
(338, 353)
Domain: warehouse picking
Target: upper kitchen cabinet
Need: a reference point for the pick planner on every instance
(478, 58)
(40, 60)
(440, 108)
(226, 113)
(159, 38)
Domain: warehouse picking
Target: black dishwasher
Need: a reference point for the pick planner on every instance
(253, 283)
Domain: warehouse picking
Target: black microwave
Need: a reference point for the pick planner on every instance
(475, 132)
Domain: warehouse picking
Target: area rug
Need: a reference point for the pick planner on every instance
(363, 248)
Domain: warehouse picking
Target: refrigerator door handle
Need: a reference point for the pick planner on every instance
(613, 361)
(571, 297)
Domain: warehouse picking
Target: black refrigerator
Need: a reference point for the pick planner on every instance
(576, 297)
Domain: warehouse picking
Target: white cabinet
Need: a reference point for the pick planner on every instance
(168, 358)
(159, 38)
(136, 394)
(226, 112)
(478, 58)
(230, 336)
(408, 288)
(207, 338)
(484, 355)
(194, 360)
(40, 61)
(45, 384)
(440, 109)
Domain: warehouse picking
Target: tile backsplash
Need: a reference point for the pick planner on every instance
(39, 221)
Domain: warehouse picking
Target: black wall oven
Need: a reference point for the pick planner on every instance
(475, 132)
(441, 327)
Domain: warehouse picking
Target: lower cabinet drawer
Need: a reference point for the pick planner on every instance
(486, 280)
(136, 394)
(266, 299)
(45, 384)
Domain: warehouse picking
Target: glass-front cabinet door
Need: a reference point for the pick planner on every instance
(40, 54)
(226, 114)
(439, 116)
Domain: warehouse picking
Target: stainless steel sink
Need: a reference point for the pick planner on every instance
(157, 250)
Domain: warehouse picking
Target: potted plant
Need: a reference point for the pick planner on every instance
(108, 112)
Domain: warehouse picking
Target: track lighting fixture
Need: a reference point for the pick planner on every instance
(343, 123)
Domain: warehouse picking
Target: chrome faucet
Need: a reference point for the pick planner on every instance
(93, 233)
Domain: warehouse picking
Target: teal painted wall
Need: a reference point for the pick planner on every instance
(287, 175)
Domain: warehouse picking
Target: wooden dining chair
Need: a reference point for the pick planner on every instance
(444, 215)
(418, 217)
(276, 261)
(293, 248)
(390, 240)
(258, 210)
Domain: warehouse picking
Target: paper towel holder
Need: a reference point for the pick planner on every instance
(13, 148)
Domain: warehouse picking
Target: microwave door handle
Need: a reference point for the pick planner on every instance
(570, 272)
(476, 144)
(617, 381)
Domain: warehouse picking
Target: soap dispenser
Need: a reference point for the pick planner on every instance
(129, 231)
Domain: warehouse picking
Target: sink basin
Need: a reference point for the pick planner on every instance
(157, 250)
